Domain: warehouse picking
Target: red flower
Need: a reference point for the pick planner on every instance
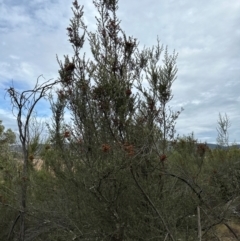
(129, 149)
(67, 134)
(163, 157)
(61, 94)
(70, 67)
(31, 157)
(128, 92)
(105, 147)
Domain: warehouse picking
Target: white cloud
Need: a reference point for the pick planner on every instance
(204, 33)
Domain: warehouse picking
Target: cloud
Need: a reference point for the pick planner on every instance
(205, 34)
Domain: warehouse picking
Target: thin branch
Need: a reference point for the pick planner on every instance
(152, 204)
(9, 235)
(231, 230)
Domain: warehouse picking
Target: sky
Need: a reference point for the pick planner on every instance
(205, 34)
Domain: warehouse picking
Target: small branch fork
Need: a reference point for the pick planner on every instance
(24, 103)
(152, 204)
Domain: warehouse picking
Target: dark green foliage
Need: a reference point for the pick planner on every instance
(117, 172)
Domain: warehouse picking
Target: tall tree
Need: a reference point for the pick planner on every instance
(116, 144)
(23, 104)
(111, 174)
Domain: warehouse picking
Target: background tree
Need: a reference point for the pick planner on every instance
(8, 178)
(222, 129)
(23, 105)
(7, 136)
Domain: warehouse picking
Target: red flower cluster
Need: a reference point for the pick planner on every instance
(201, 149)
(66, 134)
(105, 147)
(129, 149)
(31, 157)
(163, 157)
(128, 92)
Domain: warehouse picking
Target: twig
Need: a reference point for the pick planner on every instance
(153, 206)
(199, 224)
(231, 230)
(9, 235)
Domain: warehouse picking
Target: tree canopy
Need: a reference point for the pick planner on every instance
(117, 171)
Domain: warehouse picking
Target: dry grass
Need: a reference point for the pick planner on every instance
(37, 163)
(222, 232)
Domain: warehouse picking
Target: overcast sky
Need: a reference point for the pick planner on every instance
(204, 33)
